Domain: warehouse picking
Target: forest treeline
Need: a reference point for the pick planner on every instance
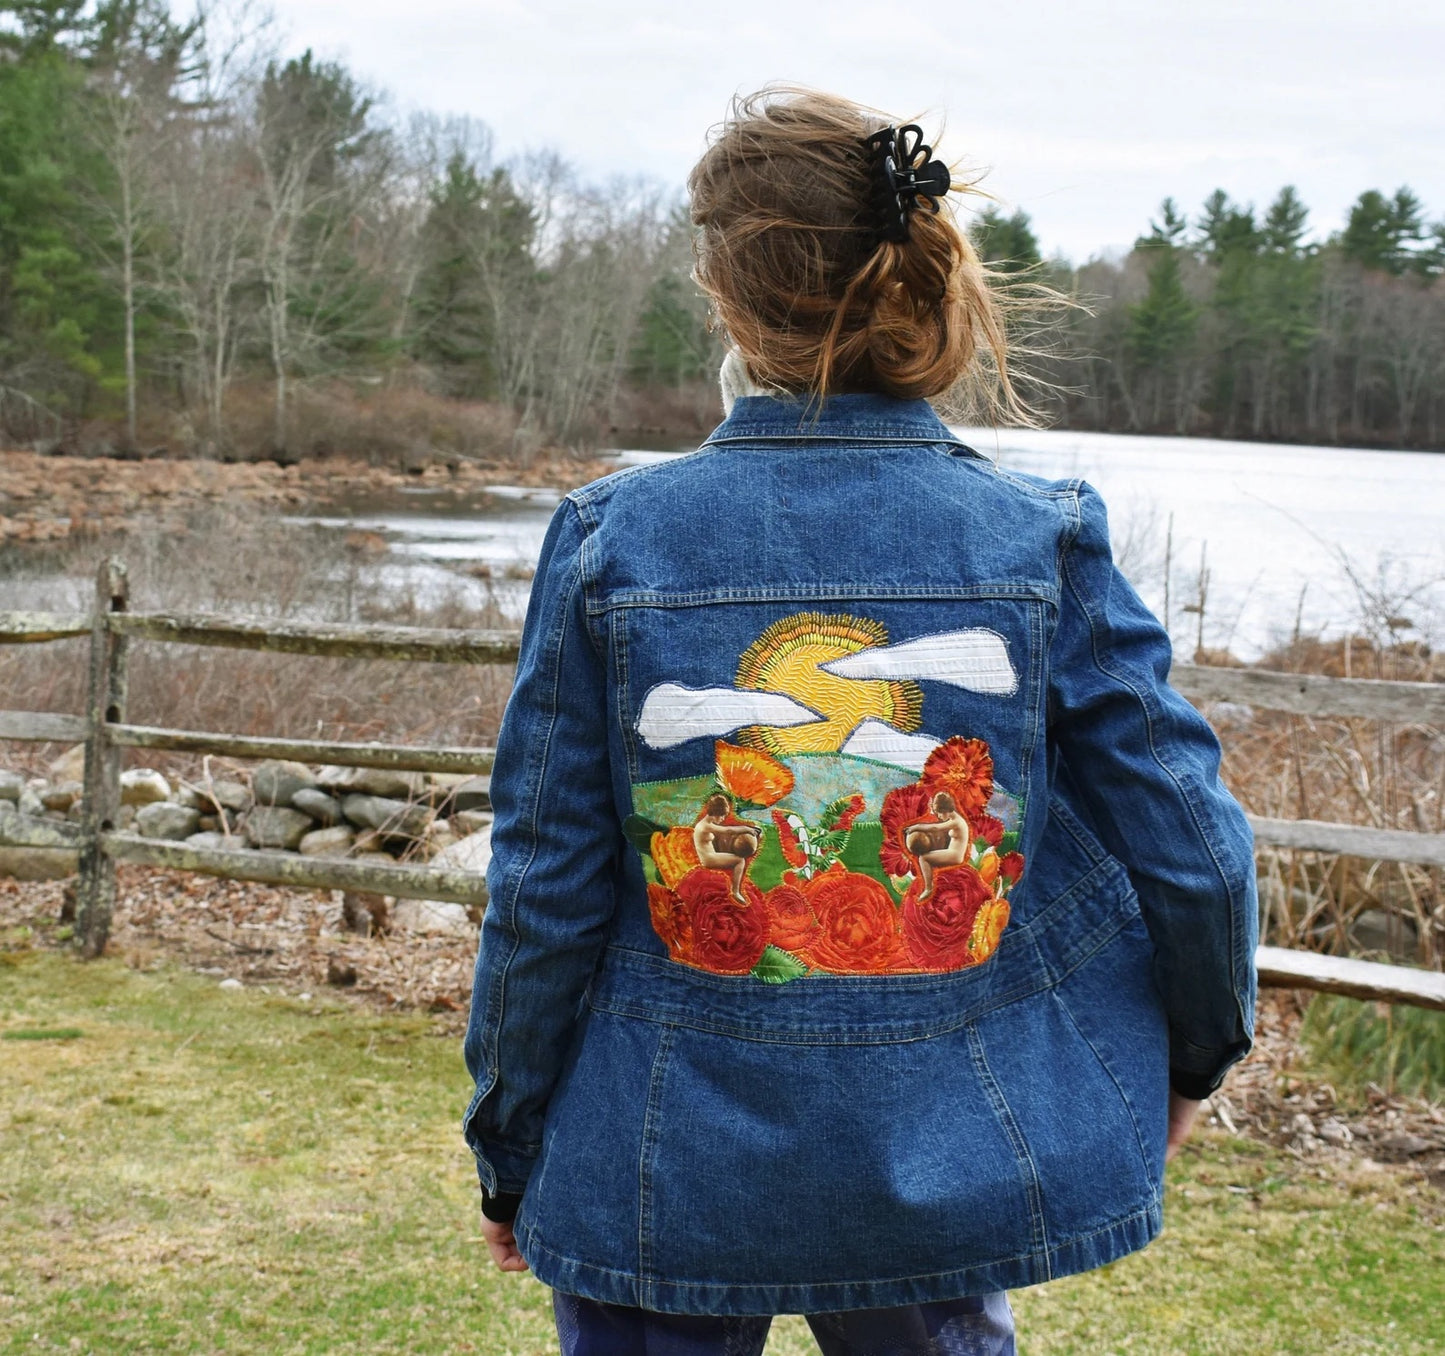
(204, 241)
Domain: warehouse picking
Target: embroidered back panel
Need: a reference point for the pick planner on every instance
(829, 827)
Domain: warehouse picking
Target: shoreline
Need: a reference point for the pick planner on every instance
(49, 499)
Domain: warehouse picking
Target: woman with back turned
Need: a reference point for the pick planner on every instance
(867, 916)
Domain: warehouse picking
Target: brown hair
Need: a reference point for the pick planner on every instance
(789, 254)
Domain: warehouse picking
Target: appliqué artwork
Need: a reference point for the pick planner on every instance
(830, 837)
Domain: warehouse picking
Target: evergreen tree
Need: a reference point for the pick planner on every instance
(1284, 223)
(1008, 243)
(1382, 232)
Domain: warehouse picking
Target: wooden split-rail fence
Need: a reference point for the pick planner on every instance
(105, 731)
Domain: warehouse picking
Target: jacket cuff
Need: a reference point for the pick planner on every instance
(1195, 1072)
(501, 1208)
(1196, 1087)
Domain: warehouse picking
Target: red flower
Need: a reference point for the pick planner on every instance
(726, 937)
(964, 768)
(794, 926)
(788, 840)
(989, 829)
(857, 924)
(936, 930)
(901, 807)
(670, 919)
(1012, 866)
(851, 811)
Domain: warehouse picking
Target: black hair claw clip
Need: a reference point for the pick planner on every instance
(903, 177)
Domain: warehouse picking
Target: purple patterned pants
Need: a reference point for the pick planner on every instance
(979, 1325)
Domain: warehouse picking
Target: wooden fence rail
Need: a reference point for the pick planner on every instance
(106, 731)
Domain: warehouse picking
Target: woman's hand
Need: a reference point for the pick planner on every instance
(1182, 1111)
(502, 1244)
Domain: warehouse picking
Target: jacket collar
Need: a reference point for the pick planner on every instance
(840, 418)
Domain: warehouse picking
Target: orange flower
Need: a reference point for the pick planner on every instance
(964, 768)
(751, 774)
(794, 926)
(988, 868)
(987, 929)
(901, 807)
(938, 930)
(857, 924)
(726, 937)
(674, 855)
(669, 920)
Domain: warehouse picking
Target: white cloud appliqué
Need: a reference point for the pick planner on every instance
(878, 740)
(976, 659)
(672, 714)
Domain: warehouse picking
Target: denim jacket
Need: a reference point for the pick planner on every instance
(858, 882)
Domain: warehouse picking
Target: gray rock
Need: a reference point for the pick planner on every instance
(392, 818)
(11, 785)
(332, 842)
(471, 853)
(1381, 930)
(125, 818)
(471, 821)
(27, 863)
(70, 766)
(211, 797)
(431, 915)
(61, 797)
(276, 781)
(324, 809)
(232, 797)
(276, 826)
(373, 781)
(209, 823)
(30, 802)
(166, 819)
(143, 786)
(438, 838)
(210, 839)
(473, 794)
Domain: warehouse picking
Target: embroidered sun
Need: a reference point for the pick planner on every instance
(786, 659)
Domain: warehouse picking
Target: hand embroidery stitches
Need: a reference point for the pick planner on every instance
(882, 850)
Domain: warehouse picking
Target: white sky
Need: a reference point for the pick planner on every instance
(1083, 114)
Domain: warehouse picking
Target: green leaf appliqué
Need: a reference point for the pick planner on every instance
(777, 966)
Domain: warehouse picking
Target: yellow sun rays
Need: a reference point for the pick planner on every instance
(786, 659)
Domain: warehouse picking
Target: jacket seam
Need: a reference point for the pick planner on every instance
(1073, 1240)
(1185, 791)
(656, 1079)
(497, 1007)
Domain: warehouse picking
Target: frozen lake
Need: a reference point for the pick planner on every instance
(1281, 529)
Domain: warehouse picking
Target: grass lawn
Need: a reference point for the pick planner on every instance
(190, 1169)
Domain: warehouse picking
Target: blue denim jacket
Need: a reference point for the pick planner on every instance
(858, 886)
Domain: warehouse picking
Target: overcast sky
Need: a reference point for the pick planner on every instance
(1083, 114)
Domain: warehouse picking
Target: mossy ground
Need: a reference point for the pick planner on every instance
(203, 1170)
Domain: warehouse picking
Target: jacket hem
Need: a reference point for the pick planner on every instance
(607, 1285)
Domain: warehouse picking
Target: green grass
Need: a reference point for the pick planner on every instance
(1400, 1049)
(216, 1171)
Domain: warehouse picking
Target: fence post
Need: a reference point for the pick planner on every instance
(105, 705)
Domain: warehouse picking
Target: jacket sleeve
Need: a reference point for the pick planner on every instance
(1147, 765)
(555, 839)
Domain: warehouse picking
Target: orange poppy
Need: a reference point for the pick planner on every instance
(751, 774)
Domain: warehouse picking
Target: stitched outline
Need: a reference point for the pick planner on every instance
(1001, 590)
(1093, 943)
(1032, 1190)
